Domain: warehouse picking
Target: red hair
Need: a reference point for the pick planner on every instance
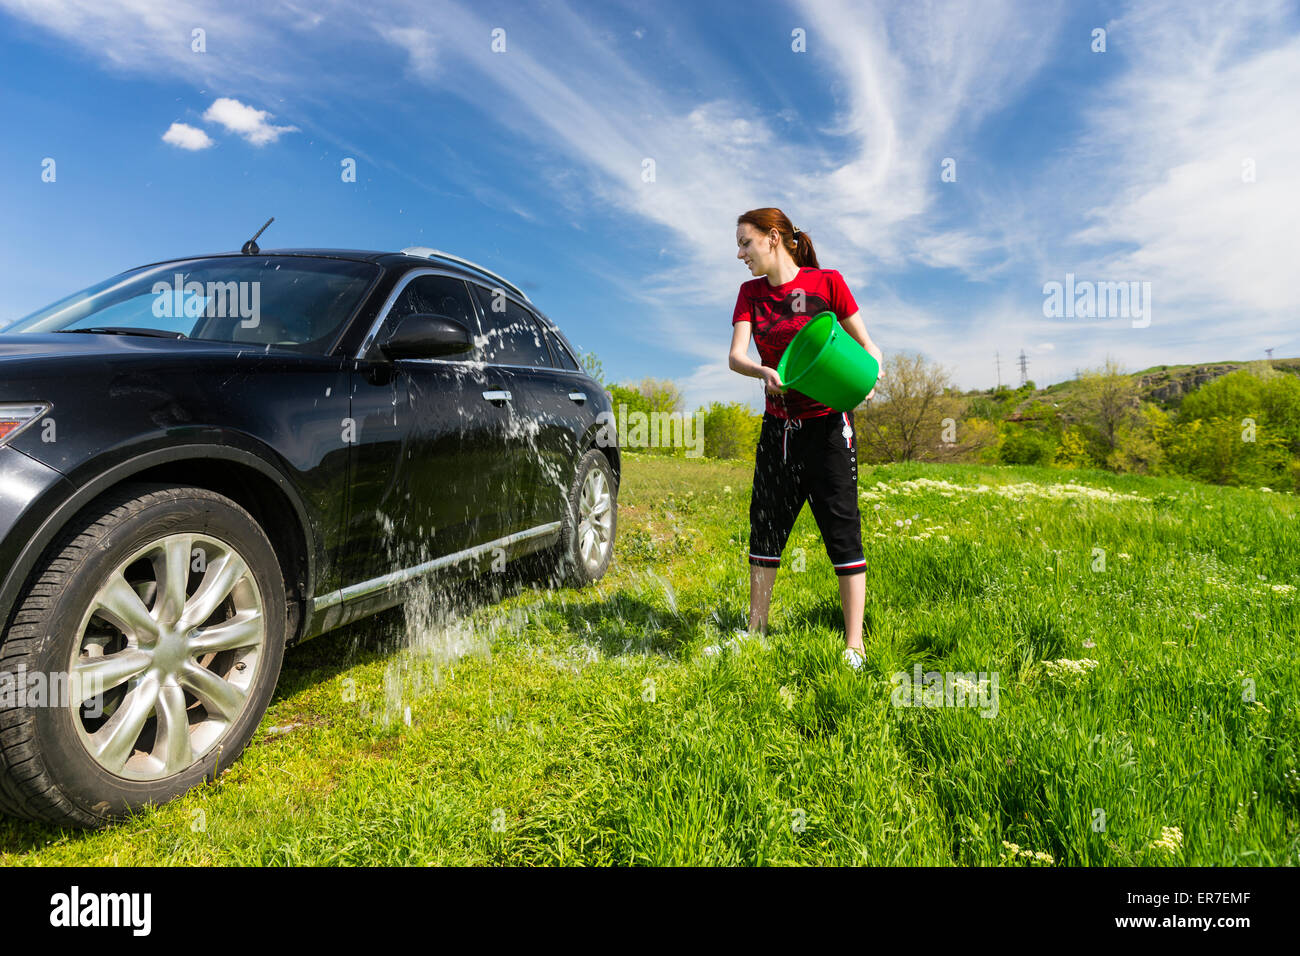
(799, 246)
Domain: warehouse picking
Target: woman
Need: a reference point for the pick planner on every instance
(806, 450)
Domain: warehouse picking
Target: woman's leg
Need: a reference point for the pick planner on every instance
(853, 596)
(773, 507)
(833, 494)
(760, 597)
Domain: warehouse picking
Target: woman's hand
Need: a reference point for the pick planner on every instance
(772, 381)
(869, 394)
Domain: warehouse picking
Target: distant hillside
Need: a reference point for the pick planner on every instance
(1164, 385)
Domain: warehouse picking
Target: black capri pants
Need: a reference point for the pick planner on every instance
(813, 460)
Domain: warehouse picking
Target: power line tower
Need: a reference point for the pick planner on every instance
(997, 362)
(1023, 361)
(1269, 353)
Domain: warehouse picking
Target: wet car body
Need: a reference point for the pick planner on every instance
(367, 472)
(194, 478)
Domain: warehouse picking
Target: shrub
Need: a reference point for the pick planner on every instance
(730, 430)
(1025, 446)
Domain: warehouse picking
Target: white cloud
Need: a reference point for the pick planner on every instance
(184, 136)
(252, 124)
(1208, 97)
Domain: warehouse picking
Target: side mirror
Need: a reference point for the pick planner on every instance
(427, 336)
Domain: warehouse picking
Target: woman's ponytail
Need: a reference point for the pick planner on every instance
(796, 241)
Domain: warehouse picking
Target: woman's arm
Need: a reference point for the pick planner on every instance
(739, 360)
(853, 325)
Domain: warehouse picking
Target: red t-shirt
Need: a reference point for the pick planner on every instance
(778, 312)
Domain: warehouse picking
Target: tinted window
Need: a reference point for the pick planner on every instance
(563, 357)
(435, 295)
(512, 335)
(288, 301)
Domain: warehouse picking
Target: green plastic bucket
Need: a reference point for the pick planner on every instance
(827, 364)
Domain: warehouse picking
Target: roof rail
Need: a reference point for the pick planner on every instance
(427, 253)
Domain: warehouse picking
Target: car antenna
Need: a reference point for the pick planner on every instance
(250, 247)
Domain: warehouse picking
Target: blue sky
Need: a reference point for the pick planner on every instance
(1173, 157)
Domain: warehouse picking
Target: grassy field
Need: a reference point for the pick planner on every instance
(590, 727)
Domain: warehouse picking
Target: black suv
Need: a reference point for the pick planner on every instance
(205, 460)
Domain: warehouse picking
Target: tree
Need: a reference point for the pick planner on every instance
(1239, 429)
(1073, 450)
(1107, 400)
(730, 430)
(1269, 398)
(905, 419)
(593, 366)
(655, 399)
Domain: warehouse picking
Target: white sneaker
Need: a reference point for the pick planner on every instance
(853, 658)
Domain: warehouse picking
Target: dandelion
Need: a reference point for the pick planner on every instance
(898, 523)
(1171, 840)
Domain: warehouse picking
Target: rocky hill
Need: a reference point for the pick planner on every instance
(1165, 385)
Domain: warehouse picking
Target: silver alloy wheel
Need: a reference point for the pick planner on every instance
(166, 655)
(595, 519)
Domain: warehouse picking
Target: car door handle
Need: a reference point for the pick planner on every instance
(497, 395)
(578, 396)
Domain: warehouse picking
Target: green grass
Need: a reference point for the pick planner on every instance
(589, 727)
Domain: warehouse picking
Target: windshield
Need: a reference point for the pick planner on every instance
(287, 301)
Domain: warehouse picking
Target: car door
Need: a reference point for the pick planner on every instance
(435, 472)
(552, 396)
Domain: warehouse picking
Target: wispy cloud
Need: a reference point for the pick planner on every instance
(1200, 195)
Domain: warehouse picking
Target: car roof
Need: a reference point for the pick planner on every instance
(360, 255)
(387, 259)
(356, 255)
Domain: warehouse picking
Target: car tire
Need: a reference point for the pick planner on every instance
(170, 601)
(586, 542)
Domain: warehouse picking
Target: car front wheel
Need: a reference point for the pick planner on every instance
(148, 645)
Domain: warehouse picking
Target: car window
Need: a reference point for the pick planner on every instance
(435, 295)
(512, 336)
(563, 357)
(295, 302)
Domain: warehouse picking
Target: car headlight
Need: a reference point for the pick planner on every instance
(16, 416)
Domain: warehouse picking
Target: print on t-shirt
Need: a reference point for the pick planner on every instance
(777, 317)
